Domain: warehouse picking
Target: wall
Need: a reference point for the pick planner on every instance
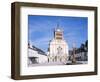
(5, 40)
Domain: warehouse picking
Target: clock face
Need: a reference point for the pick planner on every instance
(59, 50)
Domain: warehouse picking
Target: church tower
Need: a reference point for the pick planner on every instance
(58, 34)
(58, 48)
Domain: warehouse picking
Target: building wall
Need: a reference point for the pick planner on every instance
(53, 54)
(80, 56)
(40, 58)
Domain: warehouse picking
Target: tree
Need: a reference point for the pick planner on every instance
(82, 47)
(86, 45)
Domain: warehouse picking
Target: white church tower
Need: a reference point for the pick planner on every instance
(58, 48)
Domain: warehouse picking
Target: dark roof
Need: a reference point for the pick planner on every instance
(38, 50)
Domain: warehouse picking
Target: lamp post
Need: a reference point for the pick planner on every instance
(73, 55)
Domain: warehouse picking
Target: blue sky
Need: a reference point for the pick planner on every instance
(41, 28)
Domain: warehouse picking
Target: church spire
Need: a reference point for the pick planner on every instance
(58, 33)
(58, 25)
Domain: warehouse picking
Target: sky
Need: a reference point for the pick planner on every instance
(41, 30)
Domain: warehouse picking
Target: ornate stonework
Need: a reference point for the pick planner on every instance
(58, 48)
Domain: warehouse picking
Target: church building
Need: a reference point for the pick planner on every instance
(58, 48)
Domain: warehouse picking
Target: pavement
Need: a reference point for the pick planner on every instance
(58, 63)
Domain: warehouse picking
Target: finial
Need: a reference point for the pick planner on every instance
(58, 25)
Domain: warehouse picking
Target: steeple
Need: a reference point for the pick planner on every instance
(58, 25)
(58, 33)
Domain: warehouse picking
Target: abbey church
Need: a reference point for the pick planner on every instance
(58, 48)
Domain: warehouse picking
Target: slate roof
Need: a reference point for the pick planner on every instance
(38, 50)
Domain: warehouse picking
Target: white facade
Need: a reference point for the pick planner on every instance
(58, 48)
(34, 57)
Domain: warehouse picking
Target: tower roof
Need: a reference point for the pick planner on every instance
(58, 28)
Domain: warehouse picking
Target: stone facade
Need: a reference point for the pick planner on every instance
(58, 48)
